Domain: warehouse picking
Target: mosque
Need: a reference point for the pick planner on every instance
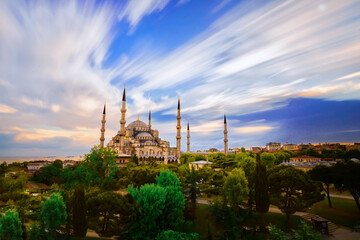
(138, 138)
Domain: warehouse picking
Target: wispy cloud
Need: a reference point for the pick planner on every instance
(54, 68)
(253, 129)
(135, 10)
(7, 109)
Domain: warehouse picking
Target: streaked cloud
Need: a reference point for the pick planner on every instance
(135, 10)
(57, 67)
(7, 109)
(349, 76)
(253, 129)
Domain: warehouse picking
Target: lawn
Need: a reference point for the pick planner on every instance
(344, 212)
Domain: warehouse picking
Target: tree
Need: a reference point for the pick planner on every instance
(79, 212)
(192, 195)
(268, 158)
(248, 165)
(109, 213)
(347, 177)
(323, 174)
(306, 232)
(53, 214)
(171, 235)
(101, 163)
(292, 190)
(172, 215)
(151, 202)
(78, 176)
(236, 187)
(261, 190)
(10, 226)
(243, 150)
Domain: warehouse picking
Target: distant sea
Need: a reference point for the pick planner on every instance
(49, 158)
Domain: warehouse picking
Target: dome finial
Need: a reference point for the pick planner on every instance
(138, 119)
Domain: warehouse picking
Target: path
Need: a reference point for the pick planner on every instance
(341, 196)
(95, 235)
(337, 232)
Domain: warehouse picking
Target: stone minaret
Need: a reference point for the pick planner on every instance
(188, 138)
(178, 127)
(225, 136)
(122, 123)
(103, 121)
(150, 120)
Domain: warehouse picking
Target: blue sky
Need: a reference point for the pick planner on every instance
(282, 71)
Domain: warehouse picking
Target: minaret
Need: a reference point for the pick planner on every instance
(150, 120)
(122, 123)
(225, 136)
(103, 121)
(188, 138)
(178, 127)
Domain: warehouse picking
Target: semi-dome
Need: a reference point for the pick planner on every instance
(144, 134)
(137, 124)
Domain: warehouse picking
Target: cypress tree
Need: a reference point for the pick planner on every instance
(261, 190)
(79, 213)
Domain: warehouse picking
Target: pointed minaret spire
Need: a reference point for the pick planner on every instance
(102, 130)
(150, 120)
(124, 95)
(225, 136)
(122, 123)
(188, 138)
(178, 128)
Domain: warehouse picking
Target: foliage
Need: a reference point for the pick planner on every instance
(292, 190)
(268, 158)
(248, 165)
(325, 175)
(53, 213)
(276, 233)
(12, 187)
(101, 164)
(192, 193)
(78, 176)
(186, 158)
(172, 215)
(229, 219)
(109, 212)
(151, 202)
(171, 235)
(79, 220)
(347, 177)
(261, 188)
(10, 225)
(236, 187)
(306, 232)
(50, 174)
(161, 206)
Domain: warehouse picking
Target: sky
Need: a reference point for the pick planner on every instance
(283, 71)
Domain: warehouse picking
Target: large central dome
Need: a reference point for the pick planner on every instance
(137, 123)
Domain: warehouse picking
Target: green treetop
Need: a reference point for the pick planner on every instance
(53, 213)
(10, 226)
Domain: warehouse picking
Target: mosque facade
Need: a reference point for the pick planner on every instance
(140, 139)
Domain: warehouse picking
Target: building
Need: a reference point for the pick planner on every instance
(307, 162)
(140, 139)
(290, 147)
(256, 149)
(35, 166)
(304, 159)
(198, 164)
(273, 146)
